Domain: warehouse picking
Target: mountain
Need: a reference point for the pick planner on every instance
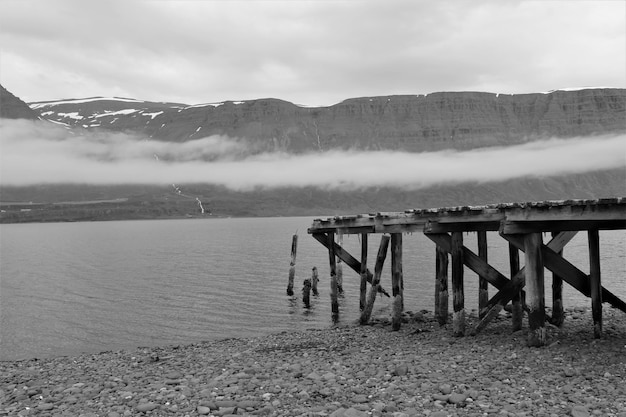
(12, 107)
(418, 123)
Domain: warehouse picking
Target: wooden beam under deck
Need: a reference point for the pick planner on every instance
(521, 224)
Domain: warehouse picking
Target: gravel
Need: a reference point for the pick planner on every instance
(349, 371)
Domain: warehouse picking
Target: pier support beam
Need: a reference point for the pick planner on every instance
(594, 281)
(334, 303)
(441, 285)
(375, 288)
(535, 289)
(397, 284)
(458, 297)
(557, 295)
(517, 311)
(292, 264)
(339, 265)
(483, 290)
(363, 287)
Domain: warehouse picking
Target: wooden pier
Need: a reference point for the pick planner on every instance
(522, 225)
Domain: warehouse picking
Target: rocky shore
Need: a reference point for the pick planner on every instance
(348, 371)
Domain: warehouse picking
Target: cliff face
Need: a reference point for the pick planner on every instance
(461, 120)
(12, 107)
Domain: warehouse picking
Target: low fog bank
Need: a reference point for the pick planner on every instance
(40, 153)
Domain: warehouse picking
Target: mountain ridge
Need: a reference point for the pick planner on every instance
(409, 123)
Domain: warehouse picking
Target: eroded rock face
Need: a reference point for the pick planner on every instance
(12, 107)
(461, 120)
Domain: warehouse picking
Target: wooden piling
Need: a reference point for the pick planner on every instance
(483, 290)
(314, 280)
(339, 265)
(397, 283)
(557, 295)
(517, 311)
(374, 289)
(595, 281)
(306, 293)
(441, 285)
(292, 264)
(458, 297)
(363, 287)
(334, 303)
(535, 297)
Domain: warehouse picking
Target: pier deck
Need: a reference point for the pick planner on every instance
(521, 224)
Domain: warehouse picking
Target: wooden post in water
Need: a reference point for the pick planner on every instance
(483, 290)
(458, 297)
(518, 310)
(363, 288)
(595, 281)
(535, 293)
(396, 281)
(378, 269)
(340, 265)
(334, 303)
(557, 295)
(292, 264)
(306, 293)
(441, 286)
(314, 280)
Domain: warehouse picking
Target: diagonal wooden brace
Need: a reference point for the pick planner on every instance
(570, 274)
(506, 294)
(348, 259)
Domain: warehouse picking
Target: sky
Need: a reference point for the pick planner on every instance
(315, 53)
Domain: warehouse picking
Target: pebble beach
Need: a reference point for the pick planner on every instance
(347, 370)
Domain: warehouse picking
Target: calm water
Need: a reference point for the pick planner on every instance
(67, 288)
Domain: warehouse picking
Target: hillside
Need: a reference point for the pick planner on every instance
(416, 123)
(12, 107)
(439, 121)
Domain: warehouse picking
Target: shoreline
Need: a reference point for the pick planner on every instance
(348, 370)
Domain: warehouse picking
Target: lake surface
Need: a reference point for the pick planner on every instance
(67, 288)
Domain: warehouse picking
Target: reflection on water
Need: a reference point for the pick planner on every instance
(72, 287)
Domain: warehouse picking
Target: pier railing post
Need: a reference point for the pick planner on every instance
(363, 287)
(378, 269)
(441, 285)
(595, 281)
(458, 297)
(292, 264)
(483, 289)
(397, 283)
(535, 289)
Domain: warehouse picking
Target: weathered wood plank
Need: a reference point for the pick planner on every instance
(339, 264)
(517, 282)
(396, 281)
(374, 289)
(458, 296)
(595, 282)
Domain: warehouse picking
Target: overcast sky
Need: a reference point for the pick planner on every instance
(307, 52)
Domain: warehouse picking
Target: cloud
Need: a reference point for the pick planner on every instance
(308, 52)
(38, 153)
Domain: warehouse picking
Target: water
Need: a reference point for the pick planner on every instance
(67, 288)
